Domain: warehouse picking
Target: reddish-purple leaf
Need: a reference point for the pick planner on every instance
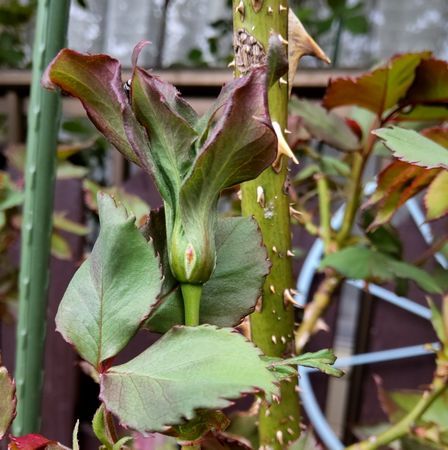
(437, 134)
(96, 81)
(242, 143)
(29, 442)
(378, 90)
(430, 84)
(397, 183)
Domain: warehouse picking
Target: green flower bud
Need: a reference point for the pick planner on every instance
(192, 251)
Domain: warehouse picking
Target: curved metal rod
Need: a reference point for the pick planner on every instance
(390, 297)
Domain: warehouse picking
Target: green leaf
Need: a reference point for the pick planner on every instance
(99, 428)
(384, 238)
(131, 202)
(325, 126)
(423, 113)
(334, 167)
(8, 401)
(361, 263)
(437, 321)
(337, 5)
(120, 444)
(235, 285)
(321, 360)
(187, 369)
(10, 195)
(60, 248)
(356, 24)
(203, 422)
(75, 443)
(96, 81)
(397, 404)
(307, 441)
(436, 198)
(412, 147)
(65, 170)
(113, 291)
(378, 90)
(61, 222)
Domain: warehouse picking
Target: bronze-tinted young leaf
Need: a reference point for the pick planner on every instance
(325, 126)
(397, 183)
(430, 84)
(167, 118)
(96, 81)
(226, 98)
(378, 90)
(241, 145)
(187, 369)
(8, 400)
(234, 287)
(113, 291)
(390, 178)
(414, 148)
(436, 198)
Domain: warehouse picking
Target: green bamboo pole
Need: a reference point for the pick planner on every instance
(264, 198)
(43, 125)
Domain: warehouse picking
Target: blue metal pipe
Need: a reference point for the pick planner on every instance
(390, 297)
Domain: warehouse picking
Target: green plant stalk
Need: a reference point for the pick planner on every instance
(324, 210)
(43, 125)
(402, 427)
(445, 323)
(191, 294)
(316, 309)
(322, 298)
(354, 198)
(272, 325)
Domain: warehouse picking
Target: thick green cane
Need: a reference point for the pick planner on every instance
(43, 125)
(264, 198)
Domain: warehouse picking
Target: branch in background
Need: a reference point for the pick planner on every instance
(162, 34)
